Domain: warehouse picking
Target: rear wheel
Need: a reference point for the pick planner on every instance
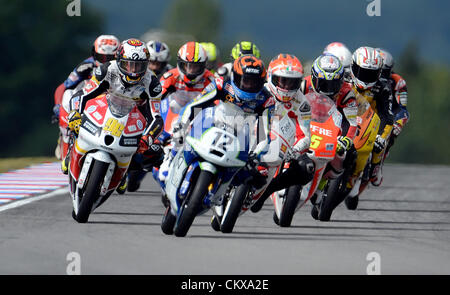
(233, 208)
(192, 204)
(290, 204)
(92, 192)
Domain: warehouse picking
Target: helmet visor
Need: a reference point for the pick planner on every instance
(286, 83)
(133, 67)
(248, 83)
(328, 87)
(192, 69)
(365, 75)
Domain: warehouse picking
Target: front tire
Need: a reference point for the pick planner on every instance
(168, 222)
(193, 204)
(234, 208)
(290, 204)
(92, 192)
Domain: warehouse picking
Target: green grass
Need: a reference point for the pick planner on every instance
(7, 164)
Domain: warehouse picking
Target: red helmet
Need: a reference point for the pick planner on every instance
(285, 75)
(191, 62)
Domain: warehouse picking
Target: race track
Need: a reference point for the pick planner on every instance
(406, 221)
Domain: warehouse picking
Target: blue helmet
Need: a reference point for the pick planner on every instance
(327, 74)
(247, 80)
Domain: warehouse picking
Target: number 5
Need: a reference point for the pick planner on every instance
(315, 141)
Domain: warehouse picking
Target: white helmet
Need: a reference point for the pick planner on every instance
(366, 67)
(105, 48)
(132, 60)
(345, 56)
(388, 63)
(159, 51)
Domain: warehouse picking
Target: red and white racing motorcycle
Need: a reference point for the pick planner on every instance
(110, 132)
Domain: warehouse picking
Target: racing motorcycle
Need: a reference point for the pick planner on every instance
(109, 135)
(215, 153)
(238, 199)
(325, 127)
(337, 191)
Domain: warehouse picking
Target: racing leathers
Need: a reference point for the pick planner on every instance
(180, 93)
(147, 92)
(223, 91)
(301, 167)
(62, 100)
(381, 101)
(400, 100)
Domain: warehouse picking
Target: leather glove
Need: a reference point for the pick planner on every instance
(258, 171)
(178, 134)
(344, 144)
(380, 144)
(144, 143)
(74, 119)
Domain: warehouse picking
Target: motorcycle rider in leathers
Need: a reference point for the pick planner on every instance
(366, 70)
(285, 75)
(246, 90)
(104, 49)
(400, 97)
(127, 76)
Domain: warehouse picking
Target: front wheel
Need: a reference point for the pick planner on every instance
(168, 222)
(290, 204)
(330, 200)
(92, 192)
(192, 204)
(233, 208)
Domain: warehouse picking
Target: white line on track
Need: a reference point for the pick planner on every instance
(32, 199)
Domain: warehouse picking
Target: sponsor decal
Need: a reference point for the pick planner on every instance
(139, 124)
(91, 109)
(97, 115)
(329, 146)
(134, 42)
(132, 128)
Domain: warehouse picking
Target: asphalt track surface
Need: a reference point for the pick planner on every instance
(406, 221)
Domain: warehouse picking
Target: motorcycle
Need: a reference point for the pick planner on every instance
(64, 108)
(337, 189)
(215, 152)
(239, 199)
(109, 135)
(325, 127)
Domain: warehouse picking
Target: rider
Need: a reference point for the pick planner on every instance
(159, 57)
(327, 77)
(241, 48)
(127, 76)
(400, 94)
(185, 82)
(244, 89)
(341, 51)
(366, 69)
(285, 75)
(212, 51)
(104, 49)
